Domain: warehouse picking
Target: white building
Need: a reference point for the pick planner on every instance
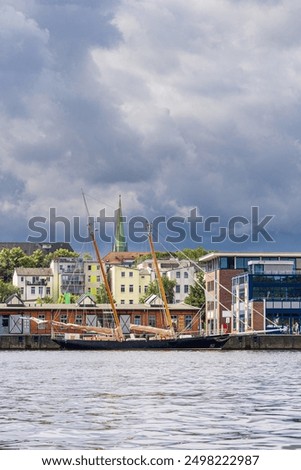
(34, 283)
(181, 271)
(68, 276)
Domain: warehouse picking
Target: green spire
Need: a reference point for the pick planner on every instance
(120, 243)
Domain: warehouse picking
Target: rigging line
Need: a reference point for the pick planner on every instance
(198, 314)
(98, 201)
(221, 286)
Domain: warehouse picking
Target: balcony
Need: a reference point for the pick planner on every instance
(39, 282)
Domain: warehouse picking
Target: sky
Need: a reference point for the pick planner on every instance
(184, 108)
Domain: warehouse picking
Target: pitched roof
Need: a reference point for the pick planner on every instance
(122, 257)
(14, 300)
(34, 271)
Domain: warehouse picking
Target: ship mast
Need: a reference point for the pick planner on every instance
(118, 330)
(161, 287)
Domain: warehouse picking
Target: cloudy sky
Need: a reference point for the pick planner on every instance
(176, 105)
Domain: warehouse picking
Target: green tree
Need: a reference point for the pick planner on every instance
(102, 296)
(45, 300)
(159, 255)
(9, 260)
(7, 289)
(60, 253)
(193, 254)
(196, 297)
(153, 288)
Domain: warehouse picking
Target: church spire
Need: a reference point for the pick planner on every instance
(120, 243)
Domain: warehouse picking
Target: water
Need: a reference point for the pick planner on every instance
(150, 400)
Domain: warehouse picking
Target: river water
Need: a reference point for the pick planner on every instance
(150, 400)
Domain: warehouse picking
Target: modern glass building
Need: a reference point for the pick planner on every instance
(277, 285)
(252, 291)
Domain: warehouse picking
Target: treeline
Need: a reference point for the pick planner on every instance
(191, 254)
(16, 258)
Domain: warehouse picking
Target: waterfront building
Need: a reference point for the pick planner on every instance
(251, 291)
(15, 316)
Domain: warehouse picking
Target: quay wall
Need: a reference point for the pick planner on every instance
(27, 342)
(263, 342)
(235, 342)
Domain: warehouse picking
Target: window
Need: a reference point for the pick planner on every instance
(40, 290)
(152, 320)
(178, 289)
(122, 273)
(131, 273)
(210, 285)
(188, 321)
(227, 262)
(122, 301)
(186, 289)
(33, 290)
(78, 319)
(122, 288)
(5, 321)
(47, 290)
(137, 320)
(41, 326)
(178, 274)
(186, 275)
(89, 278)
(89, 267)
(131, 288)
(63, 318)
(98, 279)
(22, 279)
(22, 290)
(131, 301)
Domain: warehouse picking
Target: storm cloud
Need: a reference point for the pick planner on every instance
(175, 105)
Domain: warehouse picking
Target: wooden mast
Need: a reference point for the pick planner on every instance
(119, 333)
(161, 287)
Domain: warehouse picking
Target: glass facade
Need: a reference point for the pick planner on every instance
(281, 287)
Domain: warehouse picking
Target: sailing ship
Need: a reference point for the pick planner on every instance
(141, 337)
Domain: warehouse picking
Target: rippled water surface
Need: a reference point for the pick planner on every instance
(150, 400)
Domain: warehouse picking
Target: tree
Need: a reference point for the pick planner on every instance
(44, 300)
(60, 253)
(196, 297)
(9, 260)
(153, 288)
(7, 289)
(102, 296)
(159, 255)
(193, 254)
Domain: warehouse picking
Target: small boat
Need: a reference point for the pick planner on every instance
(150, 338)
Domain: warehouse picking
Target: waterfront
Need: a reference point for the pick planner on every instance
(150, 400)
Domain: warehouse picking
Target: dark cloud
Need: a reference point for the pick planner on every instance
(175, 105)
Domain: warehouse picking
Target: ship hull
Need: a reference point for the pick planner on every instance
(199, 342)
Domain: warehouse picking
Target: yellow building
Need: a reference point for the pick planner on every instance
(128, 284)
(93, 278)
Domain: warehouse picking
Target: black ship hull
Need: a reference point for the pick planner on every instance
(197, 342)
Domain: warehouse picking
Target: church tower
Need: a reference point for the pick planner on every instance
(120, 243)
